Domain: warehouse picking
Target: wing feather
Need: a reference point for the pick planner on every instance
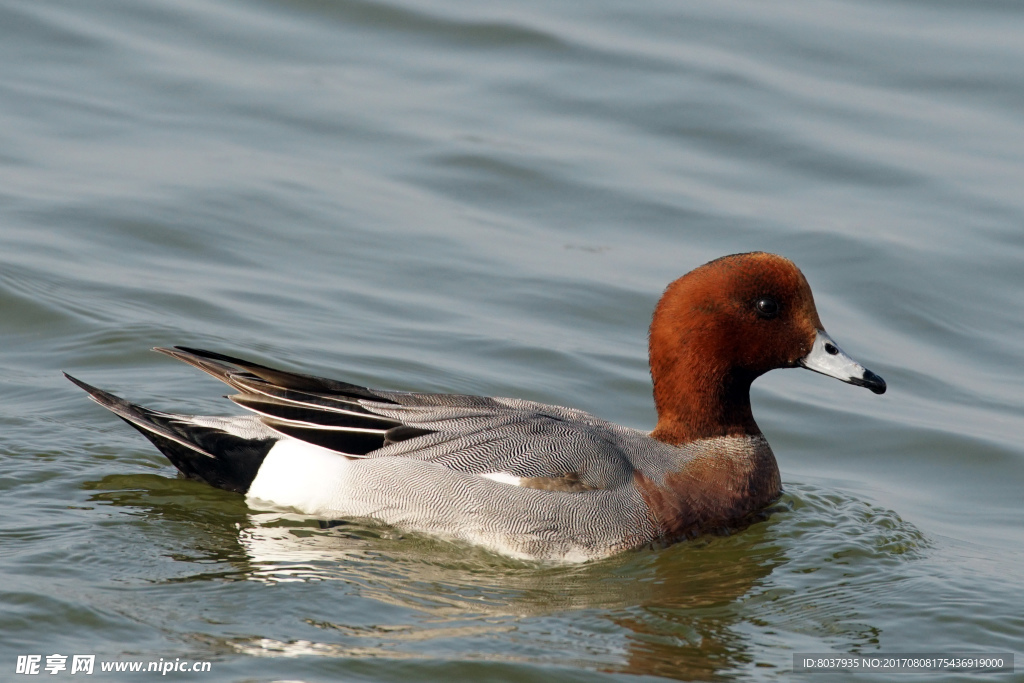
(472, 434)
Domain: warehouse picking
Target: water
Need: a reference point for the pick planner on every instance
(489, 198)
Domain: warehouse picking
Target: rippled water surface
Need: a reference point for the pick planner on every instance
(489, 197)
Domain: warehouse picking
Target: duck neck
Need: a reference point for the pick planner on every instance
(701, 402)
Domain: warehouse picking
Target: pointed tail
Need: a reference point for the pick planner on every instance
(205, 452)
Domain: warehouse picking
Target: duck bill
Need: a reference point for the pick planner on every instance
(827, 358)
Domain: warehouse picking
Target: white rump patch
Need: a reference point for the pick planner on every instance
(503, 478)
(299, 475)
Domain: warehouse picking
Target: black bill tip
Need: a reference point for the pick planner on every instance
(871, 381)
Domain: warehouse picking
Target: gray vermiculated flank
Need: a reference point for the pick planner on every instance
(431, 483)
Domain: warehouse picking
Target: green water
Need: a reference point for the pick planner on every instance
(484, 197)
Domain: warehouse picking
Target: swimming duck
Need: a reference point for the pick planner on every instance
(521, 478)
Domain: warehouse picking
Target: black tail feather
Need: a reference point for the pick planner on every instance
(191, 447)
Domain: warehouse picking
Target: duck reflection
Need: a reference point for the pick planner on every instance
(666, 612)
(687, 612)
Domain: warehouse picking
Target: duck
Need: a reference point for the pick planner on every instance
(520, 478)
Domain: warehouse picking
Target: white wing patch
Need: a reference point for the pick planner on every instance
(504, 478)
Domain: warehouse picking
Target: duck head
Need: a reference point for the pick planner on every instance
(722, 325)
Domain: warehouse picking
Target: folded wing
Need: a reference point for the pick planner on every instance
(519, 442)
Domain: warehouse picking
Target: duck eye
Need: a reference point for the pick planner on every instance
(767, 307)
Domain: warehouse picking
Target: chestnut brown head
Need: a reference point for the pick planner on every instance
(724, 324)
